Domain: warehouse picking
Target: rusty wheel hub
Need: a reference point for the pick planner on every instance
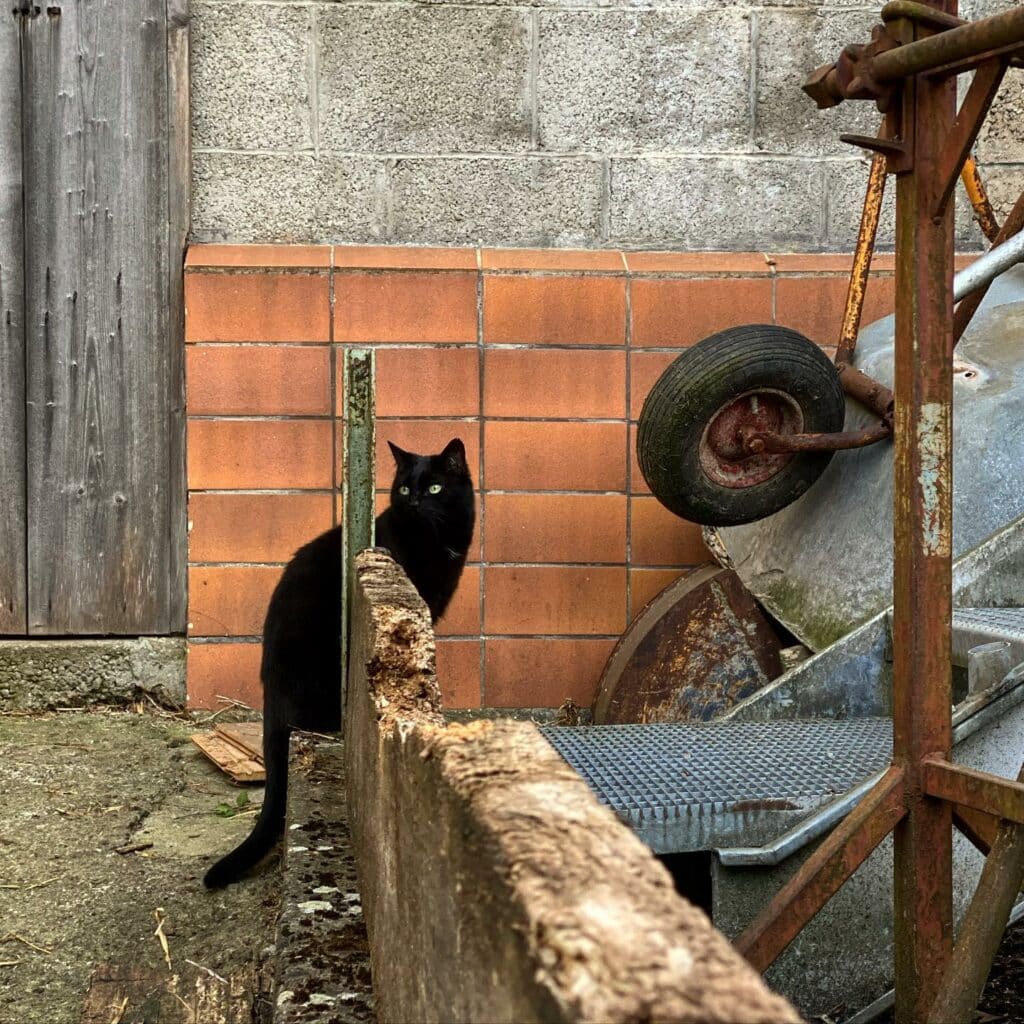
(724, 455)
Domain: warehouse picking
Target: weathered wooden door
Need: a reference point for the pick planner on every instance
(93, 158)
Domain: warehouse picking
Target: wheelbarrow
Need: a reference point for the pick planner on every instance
(740, 427)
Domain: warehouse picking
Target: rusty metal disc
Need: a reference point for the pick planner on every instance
(697, 649)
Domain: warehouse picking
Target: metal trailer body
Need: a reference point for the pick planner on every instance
(823, 565)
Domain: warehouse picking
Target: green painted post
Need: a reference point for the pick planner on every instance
(359, 459)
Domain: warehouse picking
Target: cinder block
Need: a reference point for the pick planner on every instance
(845, 185)
(250, 86)
(512, 201)
(1001, 139)
(972, 10)
(791, 44)
(716, 203)
(397, 79)
(648, 80)
(244, 197)
(1005, 184)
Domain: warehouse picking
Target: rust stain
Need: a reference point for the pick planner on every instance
(694, 653)
(766, 805)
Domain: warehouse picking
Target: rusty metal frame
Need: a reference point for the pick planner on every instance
(894, 155)
(982, 927)
(909, 69)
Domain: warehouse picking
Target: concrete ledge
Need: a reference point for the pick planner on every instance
(495, 887)
(36, 675)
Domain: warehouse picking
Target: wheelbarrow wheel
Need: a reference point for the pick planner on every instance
(759, 376)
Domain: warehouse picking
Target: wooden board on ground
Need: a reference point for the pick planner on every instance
(247, 735)
(232, 755)
(144, 995)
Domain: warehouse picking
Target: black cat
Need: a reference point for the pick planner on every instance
(427, 528)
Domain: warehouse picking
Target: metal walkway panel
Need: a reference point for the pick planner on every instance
(709, 785)
(974, 626)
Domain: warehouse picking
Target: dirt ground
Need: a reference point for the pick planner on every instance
(76, 787)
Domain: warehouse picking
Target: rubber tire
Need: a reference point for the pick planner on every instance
(703, 379)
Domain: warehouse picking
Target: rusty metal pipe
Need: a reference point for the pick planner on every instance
(824, 871)
(922, 544)
(862, 260)
(757, 442)
(995, 32)
(983, 791)
(869, 392)
(975, 189)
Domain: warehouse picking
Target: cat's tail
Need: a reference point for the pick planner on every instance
(270, 823)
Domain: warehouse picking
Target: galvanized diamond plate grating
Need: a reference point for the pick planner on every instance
(694, 786)
(1001, 623)
(974, 626)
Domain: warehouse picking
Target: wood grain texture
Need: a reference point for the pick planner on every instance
(179, 184)
(12, 339)
(105, 487)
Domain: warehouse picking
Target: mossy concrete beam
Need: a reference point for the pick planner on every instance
(495, 887)
(36, 675)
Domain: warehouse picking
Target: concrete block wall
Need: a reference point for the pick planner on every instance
(539, 359)
(589, 123)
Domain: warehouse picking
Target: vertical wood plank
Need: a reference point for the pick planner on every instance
(12, 337)
(179, 184)
(101, 421)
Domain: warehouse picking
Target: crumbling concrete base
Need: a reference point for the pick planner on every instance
(39, 675)
(495, 887)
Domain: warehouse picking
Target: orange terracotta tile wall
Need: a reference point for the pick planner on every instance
(539, 360)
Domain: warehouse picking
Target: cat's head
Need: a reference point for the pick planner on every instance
(434, 488)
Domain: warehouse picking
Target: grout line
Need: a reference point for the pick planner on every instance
(280, 491)
(206, 417)
(745, 155)
(313, 71)
(606, 200)
(755, 45)
(532, 75)
(336, 419)
(250, 638)
(481, 606)
(629, 467)
(237, 565)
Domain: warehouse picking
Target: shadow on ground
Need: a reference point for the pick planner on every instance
(76, 788)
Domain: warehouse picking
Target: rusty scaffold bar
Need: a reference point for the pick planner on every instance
(909, 69)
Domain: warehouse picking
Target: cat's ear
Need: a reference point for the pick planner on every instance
(454, 456)
(400, 455)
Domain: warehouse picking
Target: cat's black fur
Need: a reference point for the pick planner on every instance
(429, 536)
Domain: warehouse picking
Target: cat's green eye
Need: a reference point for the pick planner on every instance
(403, 490)
(434, 488)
